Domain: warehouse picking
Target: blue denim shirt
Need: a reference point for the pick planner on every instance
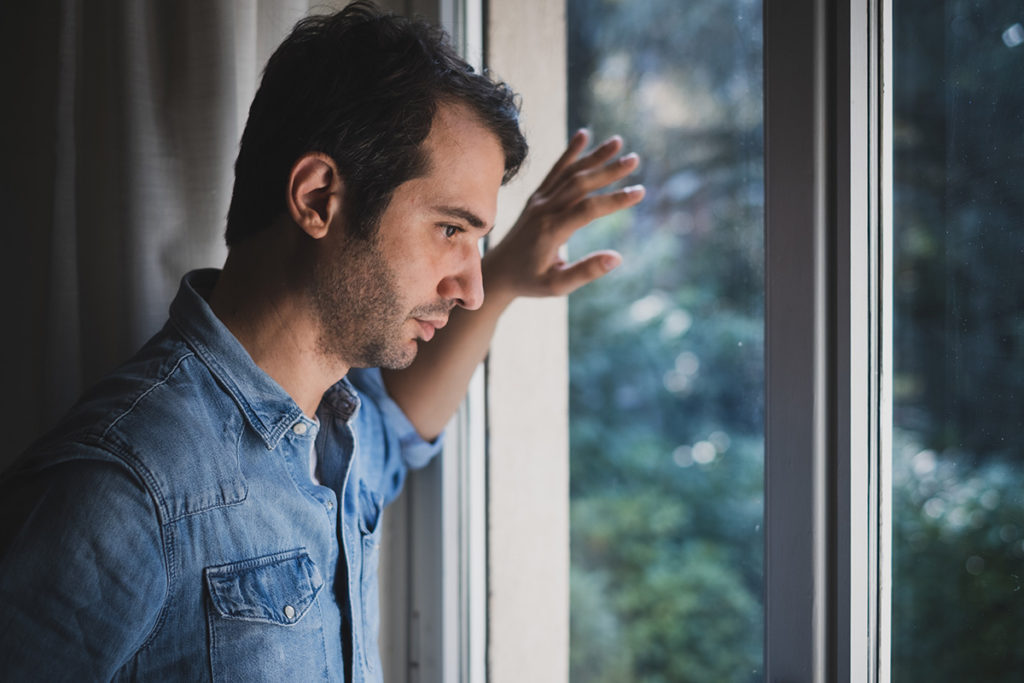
(168, 528)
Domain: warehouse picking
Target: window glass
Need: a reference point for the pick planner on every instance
(958, 333)
(666, 353)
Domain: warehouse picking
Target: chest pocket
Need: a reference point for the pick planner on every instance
(264, 620)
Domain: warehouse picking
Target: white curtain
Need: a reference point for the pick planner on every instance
(120, 126)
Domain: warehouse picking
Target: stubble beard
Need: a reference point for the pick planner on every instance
(359, 309)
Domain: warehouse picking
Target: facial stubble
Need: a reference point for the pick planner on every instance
(360, 312)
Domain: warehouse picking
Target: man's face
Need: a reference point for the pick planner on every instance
(376, 299)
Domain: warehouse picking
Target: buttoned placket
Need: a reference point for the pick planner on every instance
(349, 542)
(306, 430)
(335, 471)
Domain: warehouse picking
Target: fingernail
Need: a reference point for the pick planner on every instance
(611, 141)
(629, 158)
(609, 262)
(634, 189)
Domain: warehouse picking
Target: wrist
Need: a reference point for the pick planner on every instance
(499, 290)
(497, 293)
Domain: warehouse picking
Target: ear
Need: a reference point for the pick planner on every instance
(315, 193)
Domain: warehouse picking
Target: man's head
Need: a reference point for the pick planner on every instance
(375, 298)
(361, 87)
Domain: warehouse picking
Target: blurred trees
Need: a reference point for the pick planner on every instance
(958, 607)
(667, 352)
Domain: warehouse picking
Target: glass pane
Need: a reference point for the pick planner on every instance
(958, 506)
(667, 360)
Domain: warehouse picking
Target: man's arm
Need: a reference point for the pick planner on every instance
(525, 263)
(82, 573)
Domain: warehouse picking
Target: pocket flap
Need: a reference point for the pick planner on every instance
(275, 588)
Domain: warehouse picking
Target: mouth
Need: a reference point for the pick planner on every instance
(429, 327)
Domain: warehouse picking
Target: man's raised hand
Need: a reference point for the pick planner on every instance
(528, 262)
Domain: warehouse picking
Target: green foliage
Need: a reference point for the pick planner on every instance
(598, 652)
(959, 198)
(667, 353)
(958, 568)
(959, 342)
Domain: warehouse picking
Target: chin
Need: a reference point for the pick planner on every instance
(399, 359)
(397, 364)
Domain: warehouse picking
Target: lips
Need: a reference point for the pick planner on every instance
(429, 327)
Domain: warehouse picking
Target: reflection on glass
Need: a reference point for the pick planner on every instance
(667, 352)
(958, 506)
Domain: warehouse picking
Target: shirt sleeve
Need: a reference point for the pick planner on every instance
(82, 572)
(416, 451)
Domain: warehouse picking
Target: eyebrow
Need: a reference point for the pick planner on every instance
(464, 214)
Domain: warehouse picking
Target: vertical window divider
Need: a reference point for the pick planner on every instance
(827, 352)
(463, 541)
(797, 429)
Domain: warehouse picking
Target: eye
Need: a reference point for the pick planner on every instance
(451, 231)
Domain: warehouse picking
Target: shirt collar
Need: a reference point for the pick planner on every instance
(340, 401)
(268, 408)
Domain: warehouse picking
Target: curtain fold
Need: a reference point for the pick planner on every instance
(119, 130)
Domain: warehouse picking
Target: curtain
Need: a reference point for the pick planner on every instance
(120, 126)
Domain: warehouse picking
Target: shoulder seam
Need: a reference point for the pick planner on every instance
(163, 380)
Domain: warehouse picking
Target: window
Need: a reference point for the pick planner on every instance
(850, 269)
(958, 461)
(666, 353)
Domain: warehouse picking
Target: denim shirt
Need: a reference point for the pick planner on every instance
(168, 528)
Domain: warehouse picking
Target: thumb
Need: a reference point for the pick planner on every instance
(592, 266)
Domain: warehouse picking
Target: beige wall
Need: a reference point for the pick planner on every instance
(528, 477)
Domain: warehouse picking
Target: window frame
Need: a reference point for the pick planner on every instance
(828, 284)
(528, 382)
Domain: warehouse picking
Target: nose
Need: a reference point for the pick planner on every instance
(466, 285)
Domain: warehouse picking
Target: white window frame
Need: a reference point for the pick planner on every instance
(528, 383)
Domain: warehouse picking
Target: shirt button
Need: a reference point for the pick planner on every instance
(330, 505)
(299, 428)
(289, 611)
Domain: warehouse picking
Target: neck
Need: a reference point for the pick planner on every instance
(268, 311)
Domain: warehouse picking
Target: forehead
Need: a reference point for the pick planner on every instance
(465, 161)
(455, 124)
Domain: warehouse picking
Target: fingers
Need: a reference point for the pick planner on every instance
(585, 182)
(570, 278)
(577, 144)
(568, 165)
(598, 158)
(569, 198)
(594, 207)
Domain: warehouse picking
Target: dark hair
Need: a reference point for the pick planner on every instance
(362, 87)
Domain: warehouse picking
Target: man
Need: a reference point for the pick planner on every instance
(210, 510)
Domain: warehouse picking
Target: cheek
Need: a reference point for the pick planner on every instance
(417, 282)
